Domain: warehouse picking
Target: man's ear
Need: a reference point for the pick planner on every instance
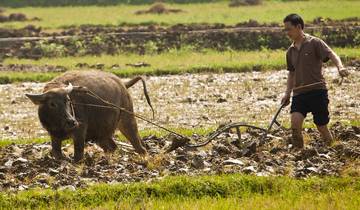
(37, 99)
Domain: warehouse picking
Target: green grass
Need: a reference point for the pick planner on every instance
(277, 202)
(203, 192)
(10, 77)
(172, 62)
(270, 11)
(6, 142)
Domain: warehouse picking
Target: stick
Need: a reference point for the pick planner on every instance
(309, 85)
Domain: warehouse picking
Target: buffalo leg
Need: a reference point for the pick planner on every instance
(56, 148)
(108, 144)
(79, 143)
(128, 127)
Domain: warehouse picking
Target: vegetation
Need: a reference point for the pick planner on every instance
(22, 3)
(204, 192)
(217, 12)
(173, 62)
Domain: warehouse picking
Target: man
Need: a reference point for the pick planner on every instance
(305, 79)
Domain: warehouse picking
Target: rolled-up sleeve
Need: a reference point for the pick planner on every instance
(322, 49)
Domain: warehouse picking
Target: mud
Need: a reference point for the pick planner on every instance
(96, 40)
(205, 100)
(31, 68)
(158, 8)
(29, 166)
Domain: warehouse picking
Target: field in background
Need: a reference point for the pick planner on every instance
(269, 11)
(172, 62)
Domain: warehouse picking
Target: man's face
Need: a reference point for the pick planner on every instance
(292, 31)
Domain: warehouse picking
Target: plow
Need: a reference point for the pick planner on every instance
(179, 140)
(183, 141)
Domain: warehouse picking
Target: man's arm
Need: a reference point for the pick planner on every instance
(290, 79)
(325, 53)
(289, 86)
(337, 61)
(290, 82)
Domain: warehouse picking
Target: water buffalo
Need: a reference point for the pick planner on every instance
(66, 111)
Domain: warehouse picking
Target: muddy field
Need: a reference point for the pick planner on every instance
(142, 39)
(186, 101)
(192, 101)
(34, 31)
(29, 166)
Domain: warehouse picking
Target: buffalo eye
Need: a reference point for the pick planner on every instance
(53, 105)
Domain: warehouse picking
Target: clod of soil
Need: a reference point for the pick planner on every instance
(28, 166)
(27, 31)
(138, 65)
(329, 21)
(32, 68)
(238, 3)
(134, 38)
(158, 8)
(14, 17)
(251, 97)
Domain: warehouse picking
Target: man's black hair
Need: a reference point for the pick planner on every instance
(295, 20)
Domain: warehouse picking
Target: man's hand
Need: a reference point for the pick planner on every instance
(343, 72)
(286, 99)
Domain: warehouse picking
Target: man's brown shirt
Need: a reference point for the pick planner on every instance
(306, 62)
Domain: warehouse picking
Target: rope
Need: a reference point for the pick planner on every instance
(183, 141)
(116, 107)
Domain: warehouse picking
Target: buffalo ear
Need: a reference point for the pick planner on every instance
(37, 99)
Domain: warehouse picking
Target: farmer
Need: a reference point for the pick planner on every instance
(304, 60)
